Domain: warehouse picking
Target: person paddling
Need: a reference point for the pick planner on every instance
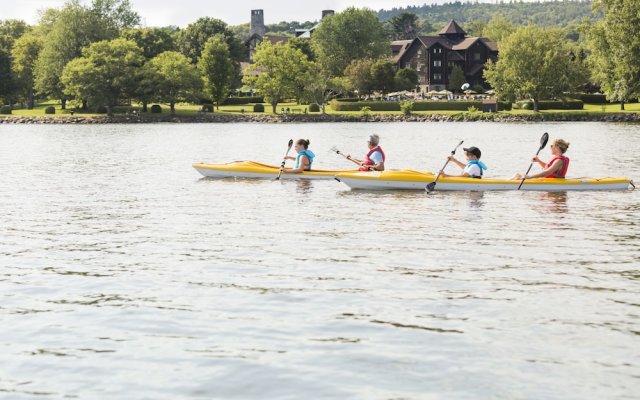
(473, 168)
(303, 160)
(556, 168)
(374, 159)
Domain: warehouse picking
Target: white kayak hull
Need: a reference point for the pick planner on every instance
(255, 170)
(415, 180)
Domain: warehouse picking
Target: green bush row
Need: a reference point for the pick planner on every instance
(6, 109)
(231, 101)
(417, 105)
(551, 105)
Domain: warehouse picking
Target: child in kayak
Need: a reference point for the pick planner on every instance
(557, 167)
(374, 159)
(303, 160)
(473, 168)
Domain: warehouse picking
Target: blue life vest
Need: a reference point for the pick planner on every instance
(479, 164)
(309, 155)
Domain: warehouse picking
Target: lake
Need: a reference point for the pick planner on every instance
(125, 274)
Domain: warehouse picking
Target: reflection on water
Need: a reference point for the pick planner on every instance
(116, 257)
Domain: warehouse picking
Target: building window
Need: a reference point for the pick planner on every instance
(419, 52)
(476, 56)
(437, 63)
(437, 50)
(437, 77)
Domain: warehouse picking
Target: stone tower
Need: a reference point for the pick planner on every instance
(257, 23)
(327, 13)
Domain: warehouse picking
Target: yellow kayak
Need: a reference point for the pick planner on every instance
(417, 180)
(252, 169)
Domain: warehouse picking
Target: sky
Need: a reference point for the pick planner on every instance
(183, 12)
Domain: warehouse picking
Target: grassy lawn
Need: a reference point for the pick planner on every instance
(194, 110)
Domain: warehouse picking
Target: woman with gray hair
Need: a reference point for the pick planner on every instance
(374, 159)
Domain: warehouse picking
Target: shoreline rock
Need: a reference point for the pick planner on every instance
(313, 118)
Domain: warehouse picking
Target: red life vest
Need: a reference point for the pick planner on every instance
(565, 166)
(368, 161)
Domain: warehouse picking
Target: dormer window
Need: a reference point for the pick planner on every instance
(437, 50)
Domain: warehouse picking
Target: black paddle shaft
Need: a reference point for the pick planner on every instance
(543, 142)
(284, 159)
(432, 185)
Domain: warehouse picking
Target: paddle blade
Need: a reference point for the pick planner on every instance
(543, 140)
(431, 186)
(290, 143)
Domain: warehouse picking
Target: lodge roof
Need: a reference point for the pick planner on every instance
(452, 28)
(398, 48)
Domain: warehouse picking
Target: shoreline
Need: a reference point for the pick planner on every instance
(310, 118)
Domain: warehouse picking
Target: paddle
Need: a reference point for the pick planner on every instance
(543, 142)
(432, 185)
(284, 159)
(335, 150)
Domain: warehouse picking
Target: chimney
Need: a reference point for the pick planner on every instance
(327, 13)
(257, 23)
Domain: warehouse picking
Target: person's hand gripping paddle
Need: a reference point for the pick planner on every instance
(543, 142)
(284, 159)
(432, 185)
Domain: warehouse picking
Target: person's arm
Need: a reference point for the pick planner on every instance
(378, 167)
(555, 167)
(290, 158)
(304, 163)
(455, 161)
(354, 159)
(539, 161)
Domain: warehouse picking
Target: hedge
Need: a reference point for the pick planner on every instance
(314, 107)
(417, 105)
(258, 108)
(552, 105)
(6, 109)
(230, 101)
(593, 98)
(156, 109)
(348, 99)
(50, 110)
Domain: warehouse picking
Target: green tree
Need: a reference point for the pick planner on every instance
(276, 71)
(456, 79)
(404, 26)
(68, 30)
(534, 63)
(322, 87)
(304, 45)
(176, 78)
(615, 49)
(475, 28)
(350, 35)
(152, 41)
(359, 75)
(498, 28)
(383, 76)
(107, 72)
(6, 78)
(217, 68)
(406, 79)
(25, 54)
(192, 39)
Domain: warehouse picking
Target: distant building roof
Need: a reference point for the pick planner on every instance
(452, 28)
(398, 48)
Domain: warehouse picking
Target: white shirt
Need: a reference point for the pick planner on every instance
(376, 157)
(473, 170)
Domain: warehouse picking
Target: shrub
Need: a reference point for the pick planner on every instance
(593, 98)
(50, 110)
(315, 107)
(478, 88)
(365, 111)
(207, 107)
(406, 107)
(156, 109)
(230, 101)
(258, 107)
(472, 109)
(504, 105)
(348, 99)
(100, 110)
(6, 109)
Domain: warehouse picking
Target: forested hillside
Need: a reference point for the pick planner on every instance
(549, 13)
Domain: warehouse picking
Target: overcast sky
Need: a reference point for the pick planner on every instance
(183, 12)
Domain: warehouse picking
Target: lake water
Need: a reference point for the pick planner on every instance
(125, 275)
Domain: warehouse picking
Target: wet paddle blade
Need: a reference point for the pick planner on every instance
(431, 186)
(543, 140)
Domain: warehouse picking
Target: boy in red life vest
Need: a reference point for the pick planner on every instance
(374, 159)
(557, 167)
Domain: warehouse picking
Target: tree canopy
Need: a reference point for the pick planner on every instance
(534, 63)
(175, 78)
(217, 68)
(352, 34)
